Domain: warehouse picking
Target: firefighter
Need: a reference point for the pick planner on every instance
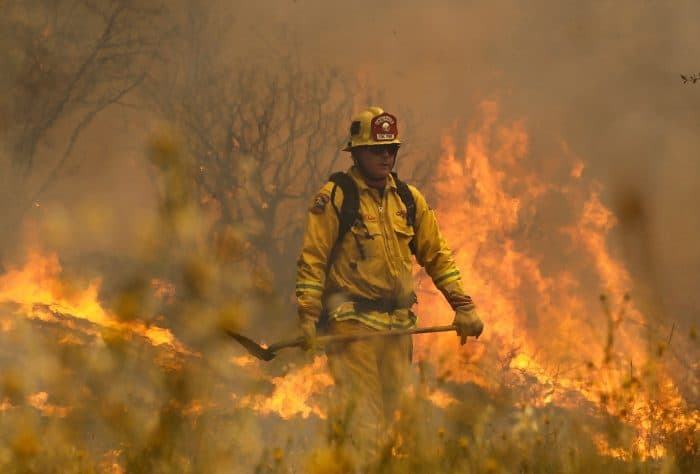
(355, 274)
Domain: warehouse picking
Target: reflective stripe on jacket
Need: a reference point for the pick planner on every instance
(374, 259)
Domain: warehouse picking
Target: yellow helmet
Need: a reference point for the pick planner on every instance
(373, 127)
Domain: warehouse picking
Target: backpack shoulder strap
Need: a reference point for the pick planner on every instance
(348, 213)
(407, 198)
(350, 208)
(409, 201)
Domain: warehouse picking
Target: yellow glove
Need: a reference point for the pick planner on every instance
(307, 325)
(468, 322)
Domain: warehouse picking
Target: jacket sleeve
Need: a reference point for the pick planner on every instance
(434, 255)
(319, 237)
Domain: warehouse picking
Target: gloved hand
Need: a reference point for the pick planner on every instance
(308, 330)
(468, 322)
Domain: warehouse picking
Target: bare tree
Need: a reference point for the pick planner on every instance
(63, 63)
(264, 135)
(690, 78)
(263, 140)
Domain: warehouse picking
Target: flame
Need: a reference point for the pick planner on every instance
(577, 169)
(6, 405)
(110, 462)
(294, 393)
(38, 292)
(194, 408)
(441, 399)
(244, 361)
(39, 401)
(543, 320)
(6, 324)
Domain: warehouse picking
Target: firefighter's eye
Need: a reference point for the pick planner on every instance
(391, 148)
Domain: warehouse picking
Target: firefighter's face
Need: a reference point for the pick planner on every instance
(376, 161)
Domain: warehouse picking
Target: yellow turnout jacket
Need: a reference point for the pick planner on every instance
(374, 260)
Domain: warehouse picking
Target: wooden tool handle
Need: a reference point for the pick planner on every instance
(322, 340)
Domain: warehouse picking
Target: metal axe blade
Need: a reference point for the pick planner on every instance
(253, 347)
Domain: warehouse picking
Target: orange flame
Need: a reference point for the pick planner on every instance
(441, 399)
(294, 392)
(39, 401)
(5, 405)
(542, 319)
(38, 292)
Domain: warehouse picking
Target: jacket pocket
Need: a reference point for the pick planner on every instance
(365, 241)
(404, 236)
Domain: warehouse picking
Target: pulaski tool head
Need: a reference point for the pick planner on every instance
(253, 347)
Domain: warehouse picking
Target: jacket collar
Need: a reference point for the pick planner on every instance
(360, 182)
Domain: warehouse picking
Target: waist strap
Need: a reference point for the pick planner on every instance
(382, 305)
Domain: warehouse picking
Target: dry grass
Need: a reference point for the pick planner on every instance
(80, 397)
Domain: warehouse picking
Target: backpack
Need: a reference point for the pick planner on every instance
(349, 212)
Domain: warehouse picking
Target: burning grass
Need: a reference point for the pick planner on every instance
(137, 377)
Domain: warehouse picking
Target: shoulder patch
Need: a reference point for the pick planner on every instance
(319, 203)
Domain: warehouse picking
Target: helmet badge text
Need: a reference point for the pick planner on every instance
(384, 127)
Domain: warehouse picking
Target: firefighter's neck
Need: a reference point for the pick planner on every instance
(378, 183)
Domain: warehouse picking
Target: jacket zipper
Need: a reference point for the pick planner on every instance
(387, 243)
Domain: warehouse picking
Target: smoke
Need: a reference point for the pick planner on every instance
(602, 77)
(598, 81)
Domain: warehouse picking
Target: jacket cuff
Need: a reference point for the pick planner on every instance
(456, 296)
(308, 306)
